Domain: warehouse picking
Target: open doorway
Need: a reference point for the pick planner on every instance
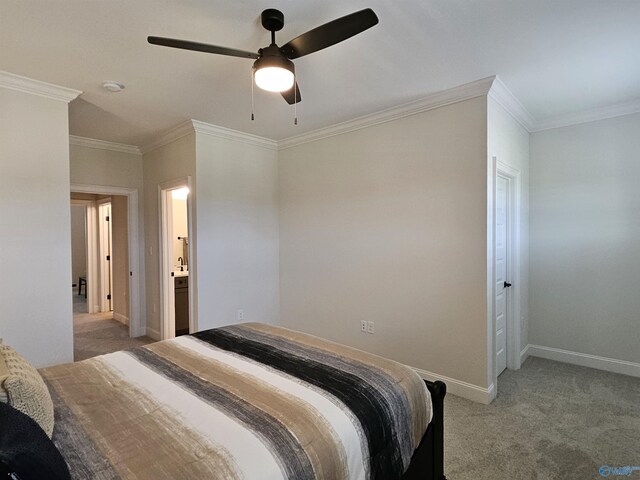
(175, 259)
(506, 273)
(101, 268)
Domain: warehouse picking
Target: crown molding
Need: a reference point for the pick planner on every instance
(233, 135)
(196, 126)
(507, 100)
(36, 87)
(435, 100)
(181, 130)
(103, 145)
(617, 110)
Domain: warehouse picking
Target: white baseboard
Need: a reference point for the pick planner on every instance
(585, 360)
(121, 318)
(460, 388)
(153, 333)
(524, 354)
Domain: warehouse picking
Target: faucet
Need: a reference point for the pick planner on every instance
(181, 264)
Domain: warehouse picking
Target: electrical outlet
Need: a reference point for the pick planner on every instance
(240, 314)
(363, 326)
(371, 327)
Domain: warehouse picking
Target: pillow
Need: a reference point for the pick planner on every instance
(25, 389)
(4, 373)
(26, 451)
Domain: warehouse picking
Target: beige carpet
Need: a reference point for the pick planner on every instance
(97, 334)
(550, 421)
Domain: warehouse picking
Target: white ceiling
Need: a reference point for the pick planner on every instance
(557, 56)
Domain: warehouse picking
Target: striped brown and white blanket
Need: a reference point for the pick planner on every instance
(249, 401)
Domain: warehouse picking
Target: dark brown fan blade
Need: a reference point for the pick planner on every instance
(288, 95)
(200, 47)
(330, 33)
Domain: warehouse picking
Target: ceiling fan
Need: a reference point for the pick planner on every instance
(273, 69)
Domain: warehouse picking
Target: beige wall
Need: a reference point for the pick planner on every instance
(35, 244)
(180, 227)
(96, 166)
(585, 238)
(120, 254)
(237, 232)
(388, 224)
(169, 162)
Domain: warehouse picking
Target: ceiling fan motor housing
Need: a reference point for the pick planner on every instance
(272, 19)
(272, 56)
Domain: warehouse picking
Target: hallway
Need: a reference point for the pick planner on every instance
(96, 334)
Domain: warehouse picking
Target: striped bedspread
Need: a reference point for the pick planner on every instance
(249, 401)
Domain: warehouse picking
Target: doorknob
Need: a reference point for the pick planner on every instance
(507, 284)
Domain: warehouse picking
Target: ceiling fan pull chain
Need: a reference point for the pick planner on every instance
(295, 96)
(252, 117)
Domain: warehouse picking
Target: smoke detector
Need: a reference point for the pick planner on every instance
(112, 86)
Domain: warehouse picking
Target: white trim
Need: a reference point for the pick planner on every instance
(167, 306)
(171, 135)
(153, 333)
(585, 360)
(513, 263)
(103, 145)
(492, 393)
(137, 319)
(36, 87)
(495, 167)
(196, 126)
(233, 135)
(435, 100)
(593, 115)
(507, 100)
(460, 388)
(121, 318)
(492, 375)
(524, 354)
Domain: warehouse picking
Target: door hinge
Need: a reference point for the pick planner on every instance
(109, 297)
(108, 258)
(106, 218)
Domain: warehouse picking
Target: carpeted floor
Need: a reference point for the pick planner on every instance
(550, 421)
(96, 334)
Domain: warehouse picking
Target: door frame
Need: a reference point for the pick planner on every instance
(91, 252)
(514, 246)
(137, 327)
(165, 220)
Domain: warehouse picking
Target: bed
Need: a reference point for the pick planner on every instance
(249, 401)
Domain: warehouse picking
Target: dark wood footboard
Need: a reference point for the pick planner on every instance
(427, 462)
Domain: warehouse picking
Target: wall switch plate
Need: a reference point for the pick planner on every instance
(363, 326)
(371, 327)
(240, 314)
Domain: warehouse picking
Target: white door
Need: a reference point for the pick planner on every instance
(502, 297)
(106, 268)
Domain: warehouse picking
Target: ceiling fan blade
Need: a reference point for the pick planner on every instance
(200, 47)
(330, 33)
(288, 95)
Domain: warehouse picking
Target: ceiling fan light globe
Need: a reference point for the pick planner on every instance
(274, 79)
